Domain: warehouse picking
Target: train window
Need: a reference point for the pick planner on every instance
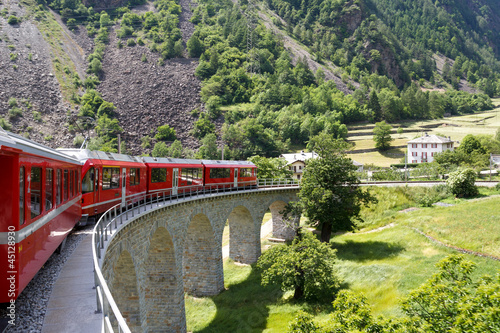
(36, 191)
(245, 172)
(220, 173)
(135, 176)
(49, 188)
(88, 181)
(71, 185)
(187, 175)
(110, 178)
(58, 187)
(77, 182)
(21, 195)
(158, 175)
(65, 185)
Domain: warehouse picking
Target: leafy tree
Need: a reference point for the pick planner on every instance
(303, 323)
(329, 195)
(462, 183)
(203, 126)
(382, 135)
(208, 149)
(160, 149)
(165, 133)
(470, 144)
(194, 46)
(374, 105)
(305, 266)
(450, 301)
(270, 167)
(175, 150)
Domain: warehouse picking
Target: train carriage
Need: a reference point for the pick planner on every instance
(173, 176)
(230, 174)
(108, 179)
(39, 205)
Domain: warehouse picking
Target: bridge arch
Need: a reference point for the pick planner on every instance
(125, 280)
(162, 286)
(244, 235)
(202, 258)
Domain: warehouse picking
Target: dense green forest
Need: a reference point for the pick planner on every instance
(387, 52)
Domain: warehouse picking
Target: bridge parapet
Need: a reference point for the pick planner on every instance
(147, 257)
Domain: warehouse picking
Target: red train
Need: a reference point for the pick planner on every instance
(44, 193)
(39, 205)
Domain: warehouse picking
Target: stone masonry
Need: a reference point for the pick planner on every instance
(153, 259)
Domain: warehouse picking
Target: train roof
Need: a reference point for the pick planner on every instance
(8, 139)
(215, 163)
(85, 154)
(167, 160)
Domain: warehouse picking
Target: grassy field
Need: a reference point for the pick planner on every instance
(383, 263)
(456, 127)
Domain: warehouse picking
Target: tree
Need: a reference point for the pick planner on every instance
(462, 183)
(208, 149)
(270, 167)
(160, 150)
(470, 144)
(382, 135)
(374, 105)
(450, 301)
(166, 133)
(305, 266)
(194, 46)
(329, 195)
(203, 126)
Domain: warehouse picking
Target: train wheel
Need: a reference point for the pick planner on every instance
(61, 247)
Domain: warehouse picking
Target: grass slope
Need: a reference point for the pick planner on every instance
(384, 264)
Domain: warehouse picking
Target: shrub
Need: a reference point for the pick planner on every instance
(13, 20)
(5, 124)
(37, 116)
(131, 42)
(12, 102)
(15, 112)
(166, 133)
(13, 56)
(462, 183)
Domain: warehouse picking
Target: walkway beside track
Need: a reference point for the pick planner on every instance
(72, 303)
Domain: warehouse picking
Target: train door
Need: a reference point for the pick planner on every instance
(97, 192)
(175, 181)
(235, 177)
(124, 186)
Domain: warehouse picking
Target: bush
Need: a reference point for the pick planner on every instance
(131, 42)
(13, 20)
(462, 183)
(15, 112)
(166, 133)
(5, 124)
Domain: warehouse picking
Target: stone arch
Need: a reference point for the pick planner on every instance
(282, 229)
(127, 295)
(202, 259)
(163, 288)
(244, 236)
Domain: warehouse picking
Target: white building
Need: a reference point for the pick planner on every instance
(297, 162)
(423, 149)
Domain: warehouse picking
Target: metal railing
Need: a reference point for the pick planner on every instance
(116, 216)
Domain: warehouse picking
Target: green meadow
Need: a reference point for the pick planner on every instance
(384, 260)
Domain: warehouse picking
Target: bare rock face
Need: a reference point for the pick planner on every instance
(148, 95)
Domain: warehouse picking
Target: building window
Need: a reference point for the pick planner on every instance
(414, 161)
(434, 145)
(424, 154)
(413, 153)
(432, 154)
(414, 145)
(424, 145)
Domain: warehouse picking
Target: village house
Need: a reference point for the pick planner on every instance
(423, 149)
(296, 162)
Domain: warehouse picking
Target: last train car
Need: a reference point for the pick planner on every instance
(173, 176)
(230, 174)
(108, 179)
(39, 206)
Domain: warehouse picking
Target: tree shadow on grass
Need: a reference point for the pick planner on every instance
(243, 307)
(364, 251)
(392, 152)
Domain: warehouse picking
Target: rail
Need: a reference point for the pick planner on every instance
(114, 217)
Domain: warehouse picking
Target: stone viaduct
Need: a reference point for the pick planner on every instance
(154, 258)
